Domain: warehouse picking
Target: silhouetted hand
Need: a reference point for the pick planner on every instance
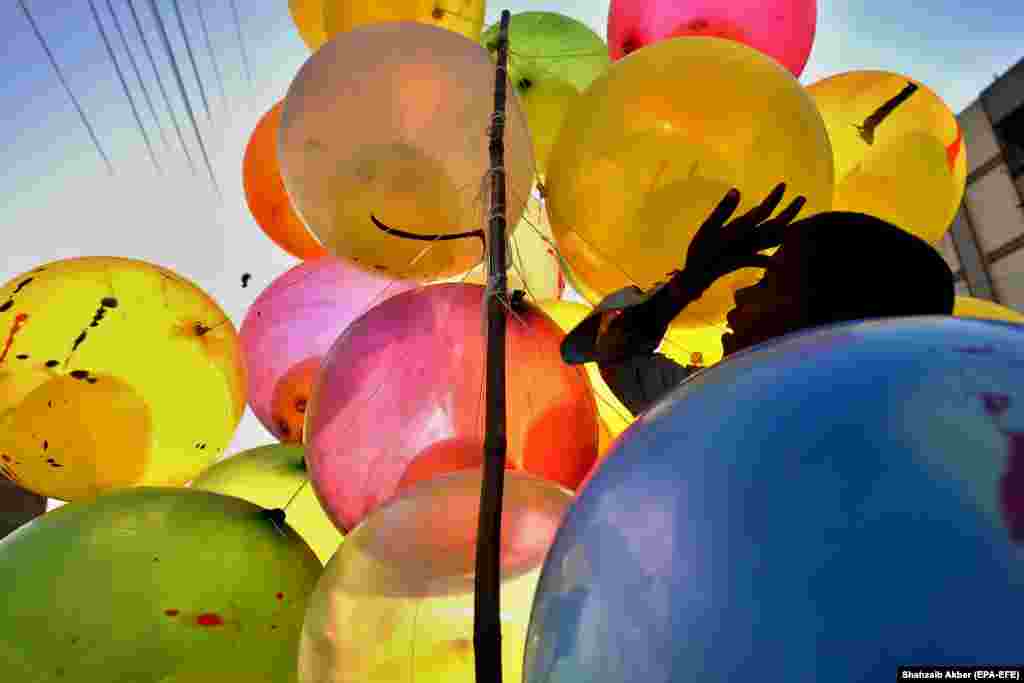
(720, 248)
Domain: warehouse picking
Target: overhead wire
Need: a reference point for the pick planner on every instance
(241, 42)
(213, 54)
(192, 59)
(138, 73)
(124, 86)
(160, 84)
(67, 88)
(184, 93)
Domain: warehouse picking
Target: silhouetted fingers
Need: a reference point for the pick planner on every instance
(721, 213)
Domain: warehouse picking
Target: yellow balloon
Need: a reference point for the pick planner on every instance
(533, 264)
(661, 137)
(390, 121)
(899, 152)
(683, 344)
(114, 372)
(275, 476)
(308, 16)
(395, 603)
(465, 17)
(971, 307)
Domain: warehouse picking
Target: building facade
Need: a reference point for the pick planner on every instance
(985, 244)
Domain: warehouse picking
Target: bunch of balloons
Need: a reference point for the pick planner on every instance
(731, 518)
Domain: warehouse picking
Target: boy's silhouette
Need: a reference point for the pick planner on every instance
(829, 268)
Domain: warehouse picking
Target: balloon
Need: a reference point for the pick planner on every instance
(275, 477)
(148, 583)
(781, 29)
(396, 602)
(265, 194)
(533, 264)
(614, 416)
(413, 153)
(806, 481)
(292, 324)
(971, 307)
(401, 399)
(899, 154)
(149, 391)
(552, 59)
(681, 344)
(465, 17)
(308, 16)
(627, 190)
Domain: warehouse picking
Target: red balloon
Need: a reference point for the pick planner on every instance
(781, 29)
(401, 399)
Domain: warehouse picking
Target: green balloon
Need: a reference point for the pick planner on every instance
(146, 585)
(270, 476)
(552, 58)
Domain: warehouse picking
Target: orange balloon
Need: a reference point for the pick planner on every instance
(291, 394)
(265, 194)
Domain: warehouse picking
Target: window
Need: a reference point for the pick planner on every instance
(1010, 132)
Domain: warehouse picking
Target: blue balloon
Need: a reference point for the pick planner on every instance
(824, 507)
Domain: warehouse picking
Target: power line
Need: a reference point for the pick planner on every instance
(138, 74)
(160, 84)
(241, 43)
(184, 93)
(124, 86)
(192, 59)
(213, 55)
(67, 88)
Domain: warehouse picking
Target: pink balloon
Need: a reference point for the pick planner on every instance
(781, 29)
(290, 327)
(400, 400)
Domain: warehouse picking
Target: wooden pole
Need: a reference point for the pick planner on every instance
(487, 604)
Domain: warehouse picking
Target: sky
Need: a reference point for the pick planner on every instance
(59, 201)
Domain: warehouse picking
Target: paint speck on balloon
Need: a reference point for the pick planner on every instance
(109, 302)
(698, 24)
(22, 356)
(995, 404)
(279, 596)
(52, 363)
(975, 350)
(80, 374)
(209, 619)
(171, 612)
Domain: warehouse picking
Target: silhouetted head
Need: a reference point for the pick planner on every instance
(840, 266)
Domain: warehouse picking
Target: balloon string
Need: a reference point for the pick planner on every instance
(296, 494)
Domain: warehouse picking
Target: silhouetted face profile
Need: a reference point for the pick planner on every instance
(836, 267)
(776, 305)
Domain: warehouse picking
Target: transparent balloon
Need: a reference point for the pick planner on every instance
(899, 151)
(265, 194)
(533, 263)
(552, 59)
(275, 477)
(413, 154)
(788, 487)
(627, 191)
(465, 17)
(401, 399)
(291, 326)
(973, 307)
(114, 372)
(149, 583)
(782, 29)
(308, 17)
(396, 602)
